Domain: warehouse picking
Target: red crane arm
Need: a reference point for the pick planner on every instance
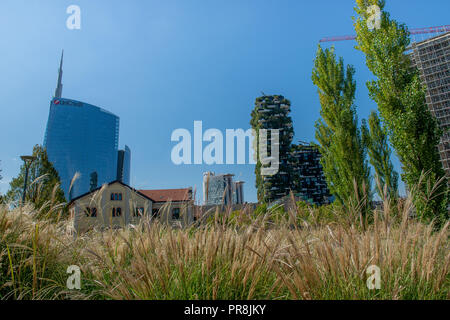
(411, 31)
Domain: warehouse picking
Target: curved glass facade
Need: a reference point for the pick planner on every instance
(81, 138)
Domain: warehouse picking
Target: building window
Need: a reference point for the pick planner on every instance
(176, 213)
(139, 212)
(116, 196)
(91, 212)
(116, 212)
(155, 213)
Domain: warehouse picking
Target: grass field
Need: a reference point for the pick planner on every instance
(306, 253)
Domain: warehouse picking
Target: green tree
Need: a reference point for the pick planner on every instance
(400, 96)
(43, 188)
(376, 141)
(343, 153)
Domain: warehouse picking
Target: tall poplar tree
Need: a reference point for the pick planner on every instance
(376, 140)
(343, 153)
(400, 96)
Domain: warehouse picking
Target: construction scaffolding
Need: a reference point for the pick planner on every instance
(432, 58)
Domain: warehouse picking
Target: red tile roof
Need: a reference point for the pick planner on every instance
(165, 195)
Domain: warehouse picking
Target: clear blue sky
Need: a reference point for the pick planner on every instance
(160, 65)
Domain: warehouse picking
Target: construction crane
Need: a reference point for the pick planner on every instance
(438, 29)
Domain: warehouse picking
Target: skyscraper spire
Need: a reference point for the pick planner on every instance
(58, 91)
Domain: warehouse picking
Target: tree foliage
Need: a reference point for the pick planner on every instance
(400, 96)
(376, 141)
(340, 143)
(43, 187)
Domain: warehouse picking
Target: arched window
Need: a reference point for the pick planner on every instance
(90, 212)
(139, 212)
(116, 212)
(116, 196)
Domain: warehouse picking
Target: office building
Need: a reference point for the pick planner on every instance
(221, 189)
(83, 138)
(123, 165)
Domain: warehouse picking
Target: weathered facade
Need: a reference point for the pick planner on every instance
(115, 205)
(172, 206)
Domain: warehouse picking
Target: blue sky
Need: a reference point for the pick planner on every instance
(160, 65)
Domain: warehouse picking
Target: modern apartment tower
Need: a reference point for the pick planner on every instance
(272, 112)
(83, 138)
(221, 189)
(299, 170)
(432, 58)
(308, 180)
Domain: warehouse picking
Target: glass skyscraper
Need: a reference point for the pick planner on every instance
(123, 165)
(221, 189)
(82, 138)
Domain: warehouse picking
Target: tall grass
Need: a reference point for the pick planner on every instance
(304, 253)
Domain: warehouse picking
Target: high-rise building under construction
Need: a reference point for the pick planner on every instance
(432, 58)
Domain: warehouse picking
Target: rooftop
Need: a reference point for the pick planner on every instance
(164, 195)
